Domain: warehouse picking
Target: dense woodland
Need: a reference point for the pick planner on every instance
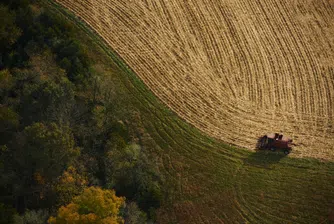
(65, 157)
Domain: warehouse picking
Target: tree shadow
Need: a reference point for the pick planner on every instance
(264, 158)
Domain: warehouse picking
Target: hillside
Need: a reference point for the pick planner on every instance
(78, 126)
(234, 69)
(206, 181)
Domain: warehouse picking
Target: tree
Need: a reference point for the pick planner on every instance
(133, 215)
(9, 32)
(6, 214)
(129, 171)
(8, 119)
(72, 57)
(122, 165)
(35, 158)
(48, 101)
(47, 148)
(94, 205)
(68, 185)
(32, 217)
(6, 83)
(9, 122)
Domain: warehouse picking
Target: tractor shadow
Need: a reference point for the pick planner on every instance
(264, 158)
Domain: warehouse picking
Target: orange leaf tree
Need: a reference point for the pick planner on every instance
(94, 205)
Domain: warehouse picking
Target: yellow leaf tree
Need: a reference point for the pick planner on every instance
(94, 205)
(69, 185)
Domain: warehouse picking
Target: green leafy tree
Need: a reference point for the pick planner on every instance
(133, 215)
(15, 4)
(9, 32)
(32, 217)
(121, 164)
(9, 120)
(6, 214)
(50, 148)
(9, 123)
(35, 158)
(47, 101)
(94, 205)
(72, 57)
(129, 171)
(6, 83)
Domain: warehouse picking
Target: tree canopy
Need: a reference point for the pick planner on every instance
(94, 205)
(62, 129)
(9, 32)
(35, 157)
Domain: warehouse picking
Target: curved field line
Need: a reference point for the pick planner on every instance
(234, 69)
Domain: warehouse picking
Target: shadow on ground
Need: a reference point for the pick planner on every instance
(264, 158)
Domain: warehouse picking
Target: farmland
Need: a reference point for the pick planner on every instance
(208, 181)
(233, 69)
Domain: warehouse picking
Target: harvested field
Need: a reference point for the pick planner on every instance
(234, 69)
(208, 181)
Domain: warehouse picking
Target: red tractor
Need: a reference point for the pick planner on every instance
(274, 141)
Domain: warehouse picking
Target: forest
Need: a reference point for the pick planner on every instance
(66, 156)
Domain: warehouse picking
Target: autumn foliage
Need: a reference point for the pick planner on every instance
(62, 129)
(94, 205)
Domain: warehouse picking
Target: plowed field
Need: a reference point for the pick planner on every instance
(235, 69)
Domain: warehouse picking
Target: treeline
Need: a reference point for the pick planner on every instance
(59, 137)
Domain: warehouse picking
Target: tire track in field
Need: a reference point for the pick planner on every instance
(234, 69)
